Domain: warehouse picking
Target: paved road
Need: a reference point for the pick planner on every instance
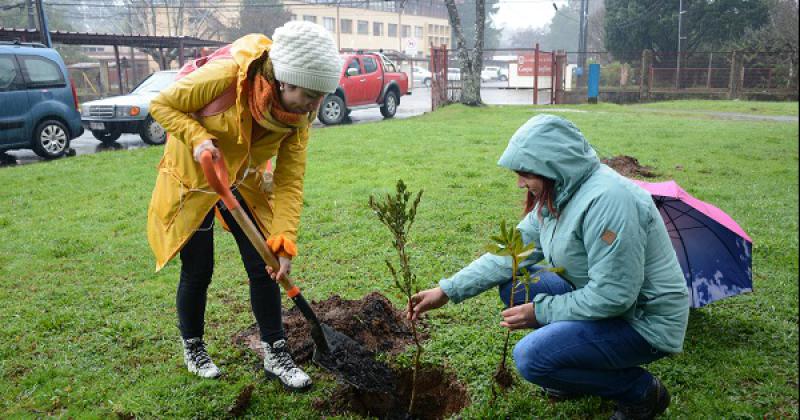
(418, 103)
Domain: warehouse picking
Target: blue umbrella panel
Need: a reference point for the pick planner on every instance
(716, 262)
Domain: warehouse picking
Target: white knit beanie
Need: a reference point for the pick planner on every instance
(304, 54)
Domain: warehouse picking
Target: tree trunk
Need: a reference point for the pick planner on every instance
(471, 61)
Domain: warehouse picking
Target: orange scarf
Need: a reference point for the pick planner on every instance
(264, 98)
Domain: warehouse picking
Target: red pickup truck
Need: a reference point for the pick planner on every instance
(368, 80)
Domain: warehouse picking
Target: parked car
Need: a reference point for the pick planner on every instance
(453, 73)
(368, 80)
(38, 103)
(420, 75)
(494, 73)
(108, 118)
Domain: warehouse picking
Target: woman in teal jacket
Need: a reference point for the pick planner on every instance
(624, 302)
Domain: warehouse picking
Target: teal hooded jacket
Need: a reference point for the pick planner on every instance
(608, 237)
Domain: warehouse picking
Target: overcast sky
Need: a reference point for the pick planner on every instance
(515, 14)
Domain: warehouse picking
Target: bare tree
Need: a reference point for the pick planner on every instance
(171, 18)
(471, 60)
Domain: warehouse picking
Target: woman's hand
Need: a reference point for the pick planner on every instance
(425, 301)
(518, 317)
(202, 147)
(284, 270)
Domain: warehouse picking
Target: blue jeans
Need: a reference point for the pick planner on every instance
(599, 357)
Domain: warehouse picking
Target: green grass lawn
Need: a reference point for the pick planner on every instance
(743, 107)
(89, 330)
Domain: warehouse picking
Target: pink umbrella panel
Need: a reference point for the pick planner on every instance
(714, 252)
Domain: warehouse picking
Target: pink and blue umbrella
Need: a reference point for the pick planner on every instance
(714, 252)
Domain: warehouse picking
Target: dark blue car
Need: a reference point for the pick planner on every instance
(38, 104)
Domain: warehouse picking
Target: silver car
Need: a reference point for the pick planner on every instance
(108, 118)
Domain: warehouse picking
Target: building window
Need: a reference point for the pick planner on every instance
(294, 17)
(346, 26)
(377, 28)
(329, 23)
(309, 18)
(392, 30)
(406, 31)
(418, 32)
(430, 28)
(363, 27)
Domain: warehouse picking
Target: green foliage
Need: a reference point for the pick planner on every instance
(632, 26)
(491, 35)
(396, 215)
(89, 329)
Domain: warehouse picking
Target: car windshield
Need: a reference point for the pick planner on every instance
(156, 82)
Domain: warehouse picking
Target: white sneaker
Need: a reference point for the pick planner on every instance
(197, 359)
(278, 363)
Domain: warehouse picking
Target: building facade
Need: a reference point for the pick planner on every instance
(379, 25)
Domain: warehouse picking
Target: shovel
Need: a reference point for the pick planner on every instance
(333, 351)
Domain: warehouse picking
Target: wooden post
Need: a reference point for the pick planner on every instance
(553, 75)
(105, 85)
(708, 78)
(119, 69)
(644, 79)
(180, 52)
(733, 79)
(133, 66)
(536, 74)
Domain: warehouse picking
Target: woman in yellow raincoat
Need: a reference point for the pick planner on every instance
(278, 87)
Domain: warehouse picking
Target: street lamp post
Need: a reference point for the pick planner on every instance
(680, 38)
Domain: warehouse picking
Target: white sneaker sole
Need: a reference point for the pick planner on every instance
(286, 386)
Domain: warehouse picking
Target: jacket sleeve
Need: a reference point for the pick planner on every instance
(614, 238)
(290, 169)
(491, 270)
(171, 108)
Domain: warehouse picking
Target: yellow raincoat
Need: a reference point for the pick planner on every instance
(182, 197)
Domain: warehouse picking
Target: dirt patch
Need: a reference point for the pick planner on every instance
(439, 395)
(628, 166)
(371, 321)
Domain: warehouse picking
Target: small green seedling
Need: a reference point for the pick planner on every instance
(510, 244)
(398, 216)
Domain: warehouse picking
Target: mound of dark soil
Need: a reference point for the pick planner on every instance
(371, 321)
(628, 166)
(439, 395)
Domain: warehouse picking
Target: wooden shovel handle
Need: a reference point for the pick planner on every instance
(217, 175)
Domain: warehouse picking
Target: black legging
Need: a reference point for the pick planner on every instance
(197, 266)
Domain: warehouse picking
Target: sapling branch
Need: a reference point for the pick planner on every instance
(396, 215)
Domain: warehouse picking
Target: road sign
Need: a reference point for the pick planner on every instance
(525, 64)
(411, 46)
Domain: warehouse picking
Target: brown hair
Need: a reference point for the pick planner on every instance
(545, 199)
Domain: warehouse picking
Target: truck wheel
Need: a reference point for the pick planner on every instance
(427, 82)
(152, 132)
(51, 139)
(389, 107)
(107, 137)
(503, 78)
(332, 111)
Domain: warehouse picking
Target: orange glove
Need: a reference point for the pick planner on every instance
(282, 246)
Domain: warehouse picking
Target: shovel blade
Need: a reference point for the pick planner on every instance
(353, 364)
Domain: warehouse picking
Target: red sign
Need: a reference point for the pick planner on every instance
(525, 64)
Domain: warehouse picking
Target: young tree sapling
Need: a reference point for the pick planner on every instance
(398, 216)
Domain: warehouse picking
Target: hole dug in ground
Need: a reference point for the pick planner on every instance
(378, 326)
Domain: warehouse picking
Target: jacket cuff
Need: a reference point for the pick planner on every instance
(447, 287)
(282, 246)
(541, 308)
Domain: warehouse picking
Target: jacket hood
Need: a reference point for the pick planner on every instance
(248, 48)
(554, 148)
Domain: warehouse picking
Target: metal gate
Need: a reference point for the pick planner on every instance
(439, 77)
